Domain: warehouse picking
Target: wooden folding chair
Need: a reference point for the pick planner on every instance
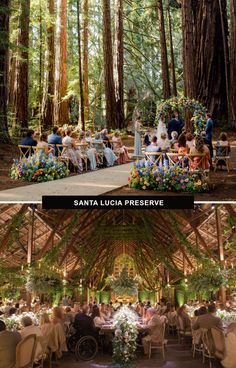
(177, 160)
(159, 345)
(154, 157)
(25, 151)
(62, 154)
(38, 150)
(83, 148)
(222, 154)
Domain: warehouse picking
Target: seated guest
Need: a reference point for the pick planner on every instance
(29, 139)
(200, 148)
(186, 321)
(55, 137)
(119, 148)
(174, 141)
(163, 144)
(57, 316)
(72, 152)
(43, 144)
(183, 148)
(190, 140)
(230, 343)
(83, 323)
(30, 329)
(155, 330)
(105, 138)
(68, 316)
(8, 343)
(108, 153)
(208, 320)
(152, 147)
(97, 317)
(221, 145)
(90, 152)
(103, 311)
(45, 324)
(147, 138)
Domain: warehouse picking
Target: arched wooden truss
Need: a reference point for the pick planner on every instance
(28, 233)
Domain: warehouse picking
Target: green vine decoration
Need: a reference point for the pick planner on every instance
(123, 285)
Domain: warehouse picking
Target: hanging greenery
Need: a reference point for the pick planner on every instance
(208, 279)
(123, 285)
(11, 281)
(43, 280)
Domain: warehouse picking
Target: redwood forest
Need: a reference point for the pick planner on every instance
(92, 63)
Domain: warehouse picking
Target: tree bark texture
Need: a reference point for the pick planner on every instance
(164, 57)
(48, 103)
(119, 62)
(4, 47)
(81, 118)
(111, 116)
(86, 60)
(21, 78)
(232, 112)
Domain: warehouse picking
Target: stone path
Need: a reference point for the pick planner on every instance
(92, 183)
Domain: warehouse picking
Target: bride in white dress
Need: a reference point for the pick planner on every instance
(161, 128)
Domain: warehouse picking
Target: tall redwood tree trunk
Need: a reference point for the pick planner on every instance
(81, 118)
(210, 57)
(4, 47)
(164, 58)
(48, 106)
(119, 62)
(21, 79)
(63, 104)
(188, 49)
(111, 115)
(85, 60)
(174, 87)
(232, 112)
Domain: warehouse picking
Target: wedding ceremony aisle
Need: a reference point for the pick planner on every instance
(92, 183)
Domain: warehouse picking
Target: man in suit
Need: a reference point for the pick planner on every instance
(54, 139)
(29, 139)
(147, 138)
(8, 343)
(84, 324)
(208, 320)
(174, 126)
(209, 132)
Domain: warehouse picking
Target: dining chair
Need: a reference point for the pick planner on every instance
(25, 352)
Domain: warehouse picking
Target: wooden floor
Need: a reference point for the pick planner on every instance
(177, 356)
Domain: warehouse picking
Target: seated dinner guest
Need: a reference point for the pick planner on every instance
(120, 149)
(8, 343)
(57, 316)
(230, 346)
(163, 143)
(83, 323)
(155, 329)
(96, 316)
(186, 321)
(30, 329)
(45, 324)
(208, 320)
(199, 149)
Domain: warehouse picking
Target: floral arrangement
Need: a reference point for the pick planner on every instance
(123, 285)
(13, 323)
(147, 175)
(42, 280)
(124, 342)
(197, 110)
(38, 168)
(227, 317)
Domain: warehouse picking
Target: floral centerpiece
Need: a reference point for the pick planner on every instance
(147, 175)
(227, 317)
(13, 323)
(38, 168)
(124, 342)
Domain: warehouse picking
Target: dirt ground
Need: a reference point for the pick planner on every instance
(223, 184)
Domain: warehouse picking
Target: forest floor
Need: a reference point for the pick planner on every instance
(223, 184)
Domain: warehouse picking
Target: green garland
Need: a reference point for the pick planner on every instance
(43, 281)
(123, 285)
